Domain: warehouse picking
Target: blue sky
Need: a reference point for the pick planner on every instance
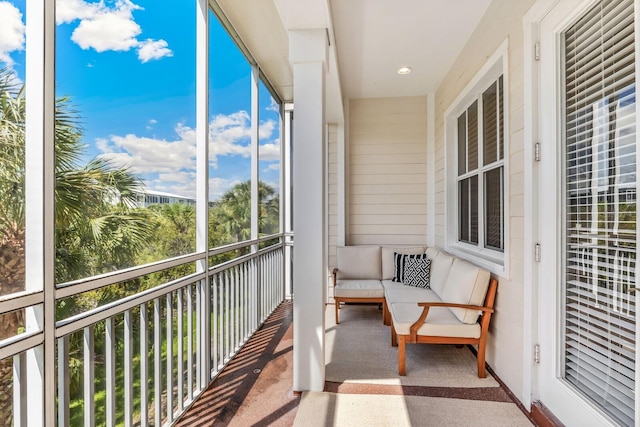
(129, 69)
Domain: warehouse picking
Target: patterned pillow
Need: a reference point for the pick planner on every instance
(416, 272)
(398, 263)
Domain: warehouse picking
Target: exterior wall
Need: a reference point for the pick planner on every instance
(503, 20)
(332, 200)
(387, 171)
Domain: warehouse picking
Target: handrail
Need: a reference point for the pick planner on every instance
(20, 300)
(74, 287)
(90, 317)
(79, 286)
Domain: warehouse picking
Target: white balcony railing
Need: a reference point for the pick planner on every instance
(143, 359)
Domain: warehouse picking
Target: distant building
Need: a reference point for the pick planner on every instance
(152, 197)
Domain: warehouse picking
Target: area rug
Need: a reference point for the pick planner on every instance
(330, 409)
(359, 350)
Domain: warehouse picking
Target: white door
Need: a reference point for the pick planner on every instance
(587, 191)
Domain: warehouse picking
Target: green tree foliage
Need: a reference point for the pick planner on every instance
(230, 216)
(99, 228)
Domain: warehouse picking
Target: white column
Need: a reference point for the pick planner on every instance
(39, 210)
(308, 54)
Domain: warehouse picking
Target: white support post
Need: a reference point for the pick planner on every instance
(286, 192)
(308, 54)
(255, 143)
(202, 190)
(39, 209)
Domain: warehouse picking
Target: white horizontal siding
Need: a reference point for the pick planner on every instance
(387, 170)
(503, 20)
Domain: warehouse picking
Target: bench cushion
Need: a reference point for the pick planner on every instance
(440, 266)
(388, 266)
(358, 289)
(358, 262)
(410, 294)
(466, 284)
(440, 322)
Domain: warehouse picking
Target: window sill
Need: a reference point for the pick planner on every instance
(490, 260)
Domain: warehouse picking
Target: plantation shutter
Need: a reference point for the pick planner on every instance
(600, 208)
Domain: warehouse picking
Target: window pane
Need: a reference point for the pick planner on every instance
(493, 208)
(472, 112)
(230, 139)
(468, 202)
(490, 124)
(269, 163)
(464, 210)
(462, 144)
(501, 119)
(473, 209)
(125, 130)
(12, 153)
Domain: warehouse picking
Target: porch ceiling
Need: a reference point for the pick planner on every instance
(376, 37)
(370, 40)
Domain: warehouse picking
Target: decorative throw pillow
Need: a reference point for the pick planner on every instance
(416, 272)
(398, 262)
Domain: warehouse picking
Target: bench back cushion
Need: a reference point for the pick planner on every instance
(466, 284)
(440, 266)
(388, 265)
(358, 262)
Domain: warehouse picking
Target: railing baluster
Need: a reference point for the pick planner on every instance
(180, 338)
(190, 342)
(232, 325)
(255, 298)
(236, 310)
(245, 299)
(89, 379)
(157, 368)
(128, 370)
(200, 337)
(169, 358)
(110, 370)
(144, 367)
(20, 390)
(63, 381)
(216, 335)
(226, 317)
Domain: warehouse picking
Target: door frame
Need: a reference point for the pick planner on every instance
(541, 305)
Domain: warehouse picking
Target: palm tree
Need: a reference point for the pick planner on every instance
(97, 225)
(230, 217)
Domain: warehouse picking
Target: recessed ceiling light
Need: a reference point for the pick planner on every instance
(404, 70)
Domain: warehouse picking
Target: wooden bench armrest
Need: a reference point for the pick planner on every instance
(335, 275)
(427, 305)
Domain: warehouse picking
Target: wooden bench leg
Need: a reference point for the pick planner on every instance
(394, 337)
(402, 369)
(385, 313)
(481, 362)
(337, 308)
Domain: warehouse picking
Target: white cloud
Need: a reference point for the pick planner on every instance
(270, 152)
(11, 31)
(169, 165)
(153, 49)
(105, 28)
(219, 186)
(68, 11)
(272, 167)
(148, 155)
(275, 107)
(231, 135)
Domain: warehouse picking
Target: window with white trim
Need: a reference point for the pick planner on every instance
(476, 169)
